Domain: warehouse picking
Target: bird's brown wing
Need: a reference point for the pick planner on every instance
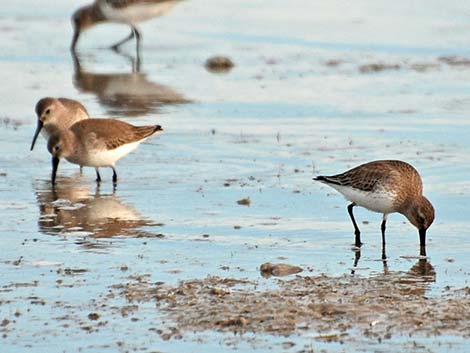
(124, 3)
(368, 176)
(110, 133)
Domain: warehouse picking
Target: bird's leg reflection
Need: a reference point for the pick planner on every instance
(135, 61)
(384, 259)
(116, 46)
(424, 270)
(422, 250)
(357, 256)
(137, 44)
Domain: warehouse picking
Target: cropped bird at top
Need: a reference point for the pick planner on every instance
(386, 187)
(97, 143)
(55, 114)
(128, 12)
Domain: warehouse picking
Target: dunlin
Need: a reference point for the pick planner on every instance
(56, 114)
(386, 187)
(128, 12)
(97, 143)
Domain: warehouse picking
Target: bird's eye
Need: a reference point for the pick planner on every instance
(48, 111)
(57, 148)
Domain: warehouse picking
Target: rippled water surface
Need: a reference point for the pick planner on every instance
(316, 88)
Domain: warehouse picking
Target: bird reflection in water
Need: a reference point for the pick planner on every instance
(71, 208)
(414, 281)
(125, 94)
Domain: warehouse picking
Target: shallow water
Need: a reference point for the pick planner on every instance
(296, 104)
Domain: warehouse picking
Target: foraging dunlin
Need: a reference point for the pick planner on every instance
(56, 114)
(97, 143)
(128, 12)
(386, 187)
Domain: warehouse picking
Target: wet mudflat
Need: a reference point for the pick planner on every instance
(170, 260)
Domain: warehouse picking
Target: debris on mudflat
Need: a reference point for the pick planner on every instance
(455, 60)
(244, 202)
(370, 68)
(279, 270)
(219, 64)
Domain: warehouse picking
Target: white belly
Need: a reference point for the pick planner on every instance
(135, 13)
(380, 201)
(102, 158)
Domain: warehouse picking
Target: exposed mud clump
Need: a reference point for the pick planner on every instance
(371, 68)
(219, 64)
(336, 308)
(333, 62)
(244, 202)
(279, 270)
(455, 61)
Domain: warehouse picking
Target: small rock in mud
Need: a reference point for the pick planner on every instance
(244, 202)
(279, 270)
(71, 271)
(93, 316)
(370, 68)
(219, 292)
(239, 321)
(219, 64)
(288, 344)
(333, 62)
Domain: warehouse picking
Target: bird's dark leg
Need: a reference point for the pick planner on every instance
(114, 176)
(357, 232)
(382, 227)
(81, 170)
(116, 46)
(98, 176)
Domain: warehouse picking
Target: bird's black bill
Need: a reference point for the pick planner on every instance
(422, 242)
(55, 165)
(36, 134)
(422, 238)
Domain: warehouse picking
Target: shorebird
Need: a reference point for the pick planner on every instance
(128, 12)
(386, 187)
(56, 114)
(97, 143)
